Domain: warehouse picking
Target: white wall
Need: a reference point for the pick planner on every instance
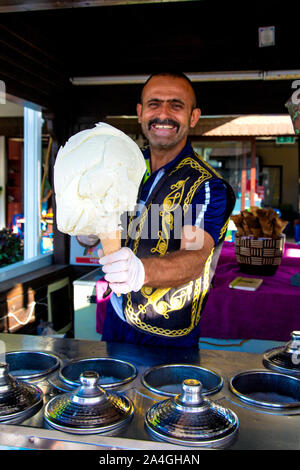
(10, 109)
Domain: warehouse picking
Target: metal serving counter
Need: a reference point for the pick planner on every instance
(258, 428)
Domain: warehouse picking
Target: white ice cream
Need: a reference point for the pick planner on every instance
(97, 175)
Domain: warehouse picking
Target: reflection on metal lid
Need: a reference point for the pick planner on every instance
(190, 419)
(18, 400)
(89, 409)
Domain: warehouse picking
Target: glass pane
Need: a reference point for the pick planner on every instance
(11, 184)
(232, 160)
(26, 216)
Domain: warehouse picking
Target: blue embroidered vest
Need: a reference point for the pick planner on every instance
(171, 312)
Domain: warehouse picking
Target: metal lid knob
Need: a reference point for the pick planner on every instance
(7, 382)
(191, 393)
(88, 409)
(89, 378)
(5, 379)
(293, 346)
(3, 368)
(89, 392)
(285, 359)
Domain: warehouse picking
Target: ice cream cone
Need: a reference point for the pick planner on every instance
(111, 242)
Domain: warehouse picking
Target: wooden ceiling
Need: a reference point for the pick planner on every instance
(41, 49)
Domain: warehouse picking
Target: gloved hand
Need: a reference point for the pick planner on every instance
(123, 270)
(87, 240)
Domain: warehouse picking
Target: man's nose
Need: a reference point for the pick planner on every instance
(164, 111)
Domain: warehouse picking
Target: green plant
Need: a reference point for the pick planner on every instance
(11, 247)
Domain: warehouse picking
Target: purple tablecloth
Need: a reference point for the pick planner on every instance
(271, 313)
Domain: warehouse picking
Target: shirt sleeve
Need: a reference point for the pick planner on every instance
(208, 208)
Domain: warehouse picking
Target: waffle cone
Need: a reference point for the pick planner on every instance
(111, 242)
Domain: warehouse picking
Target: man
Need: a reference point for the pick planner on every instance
(162, 280)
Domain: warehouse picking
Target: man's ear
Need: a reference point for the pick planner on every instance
(195, 116)
(139, 111)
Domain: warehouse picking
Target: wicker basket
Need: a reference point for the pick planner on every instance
(258, 256)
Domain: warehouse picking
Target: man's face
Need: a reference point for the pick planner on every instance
(167, 111)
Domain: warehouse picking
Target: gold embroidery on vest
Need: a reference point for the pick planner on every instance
(154, 297)
(170, 204)
(162, 307)
(139, 228)
(224, 228)
(188, 161)
(136, 320)
(205, 175)
(128, 231)
(208, 165)
(192, 190)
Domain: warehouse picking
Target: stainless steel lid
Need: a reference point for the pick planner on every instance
(190, 419)
(89, 409)
(18, 400)
(111, 372)
(285, 359)
(167, 379)
(266, 389)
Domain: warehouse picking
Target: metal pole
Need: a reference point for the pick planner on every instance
(253, 171)
(244, 178)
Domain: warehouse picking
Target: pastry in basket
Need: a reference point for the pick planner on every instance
(251, 224)
(238, 221)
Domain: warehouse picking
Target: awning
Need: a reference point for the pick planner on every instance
(260, 125)
(244, 126)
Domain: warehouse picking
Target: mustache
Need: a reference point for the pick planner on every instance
(165, 122)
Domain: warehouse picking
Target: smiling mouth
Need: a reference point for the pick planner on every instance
(164, 126)
(160, 126)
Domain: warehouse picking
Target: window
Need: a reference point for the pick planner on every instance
(232, 160)
(21, 175)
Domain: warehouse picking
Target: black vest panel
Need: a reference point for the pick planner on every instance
(173, 311)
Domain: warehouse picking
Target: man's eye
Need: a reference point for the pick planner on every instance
(153, 105)
(177, 106)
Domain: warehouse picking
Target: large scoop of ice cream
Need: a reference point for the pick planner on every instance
(97, 175)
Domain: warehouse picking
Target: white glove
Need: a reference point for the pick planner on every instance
(124, 271)
(87, 240)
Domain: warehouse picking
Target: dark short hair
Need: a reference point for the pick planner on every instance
(170, 74)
